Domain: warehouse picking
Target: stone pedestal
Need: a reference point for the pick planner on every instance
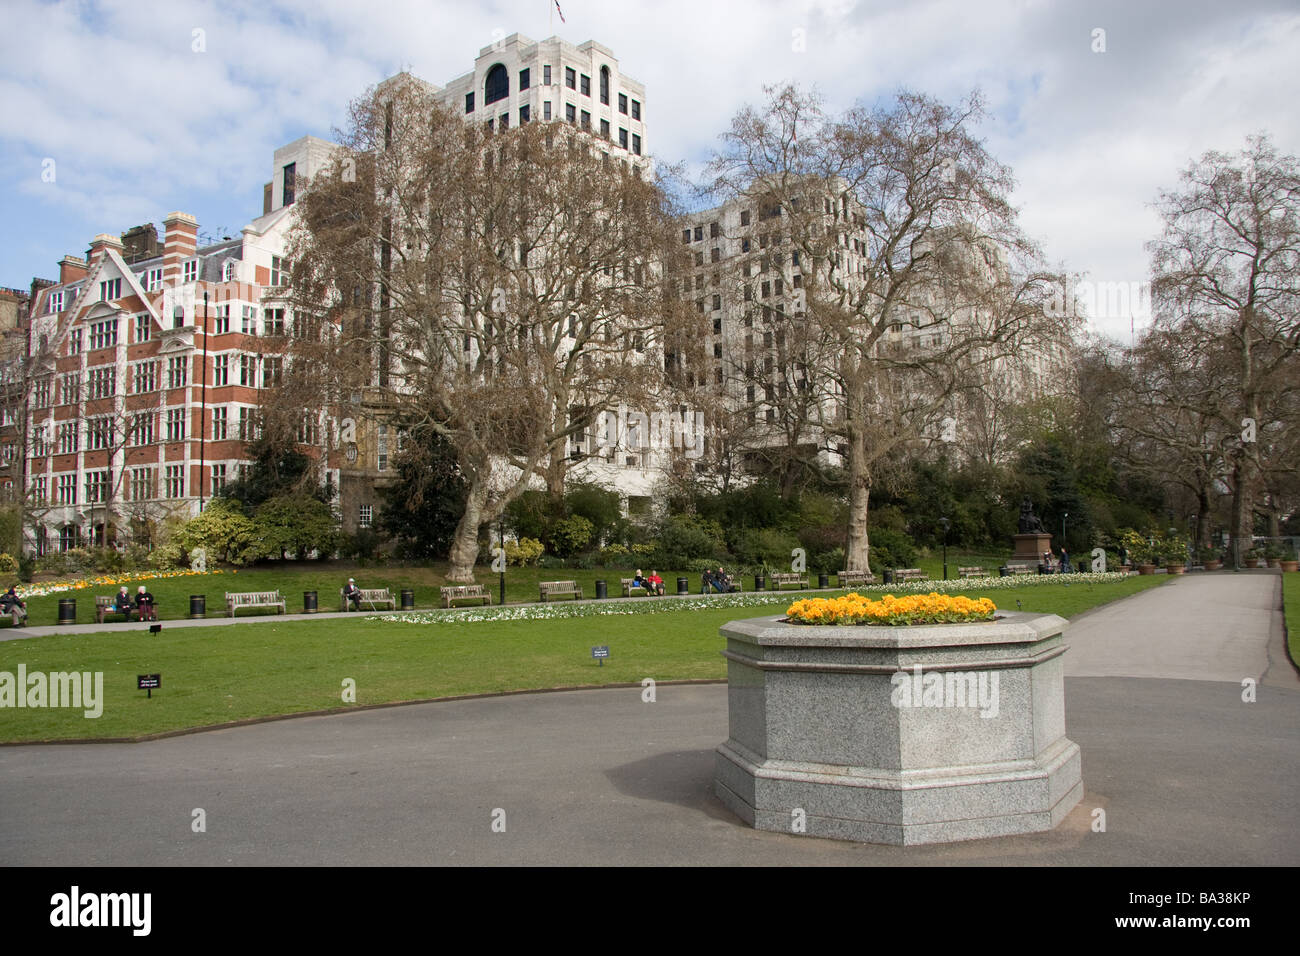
(1030, 548)
(834, 731)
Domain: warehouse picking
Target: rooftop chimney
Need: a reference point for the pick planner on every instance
(99, 244)
(72, 268)
(179, 242)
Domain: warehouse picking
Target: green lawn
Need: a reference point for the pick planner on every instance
(173, 594)
(215, 675)
(1291, 602)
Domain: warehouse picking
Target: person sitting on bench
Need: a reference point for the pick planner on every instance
(656, 583)
(11, 603)
(352, 595)
(122, 602)
(146, 605)
(706, 581)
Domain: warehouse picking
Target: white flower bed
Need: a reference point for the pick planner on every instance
(545, 612)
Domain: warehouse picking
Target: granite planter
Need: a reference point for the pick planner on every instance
(1290, 565)
(1175, 569)
(828, 739)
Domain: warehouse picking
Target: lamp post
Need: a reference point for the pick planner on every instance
(1063, 517)
(945, 523)
(501, 538)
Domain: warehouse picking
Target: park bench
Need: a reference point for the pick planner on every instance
(972, 572)
(104, 606)
(548, 589)
(778, 581)
(629, 587)
(372, 596)
(852, 578)
(464, 592)
(238, 599)
(909, 574)
(1021, 569)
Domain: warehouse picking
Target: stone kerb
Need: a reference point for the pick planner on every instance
(899, 735)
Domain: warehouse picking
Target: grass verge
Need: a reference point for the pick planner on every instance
(212, 676)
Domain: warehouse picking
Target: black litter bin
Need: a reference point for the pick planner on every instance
(823, 580)
(67, 610)
(1003, 572)
(408, 599)
(888, 576)
(309, 602)
(602, 589)
(683, 586)
(198, 605)
(760, 582)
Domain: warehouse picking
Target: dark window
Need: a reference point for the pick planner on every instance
(585, 89)
(622, 137)
(604, 85)
(523, 79)
(715, 255)
(686, 236)
(717, 326)
(546, 75)
(523, 115)
(699, 258)
(794, 257)
(497, 85)
(290, 176)
(744, 245)
(546, 110)
(713, 230)
(469, 102)
(505, 121)
(570, 113)
(586, 120)
(622, 103)
(636, 144)
(570, 78)
(717, 303)
(388, 125)
(604, 129)
(699, 233)
(744, 217)
(636, 109)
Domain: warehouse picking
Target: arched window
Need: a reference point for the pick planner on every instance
(497, 85)
(604, 85)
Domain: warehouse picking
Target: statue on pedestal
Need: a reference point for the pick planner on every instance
(1030, 523)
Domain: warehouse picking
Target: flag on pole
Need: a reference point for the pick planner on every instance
(559, 11)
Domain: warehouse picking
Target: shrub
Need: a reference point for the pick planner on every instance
(167, 557)
(891, 549)
(8, 565)
(831, 561)
(78, 560)
(551, 562)
(765, 546)
(525, 551)
(222, 531)
(52, 563)
(570, 535)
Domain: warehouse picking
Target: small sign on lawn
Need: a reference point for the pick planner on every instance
(600, 653)
(148, 682)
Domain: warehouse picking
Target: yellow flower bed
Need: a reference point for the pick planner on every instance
(932, 608)
(105, 581)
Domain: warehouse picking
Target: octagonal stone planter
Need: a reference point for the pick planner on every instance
(900, 735)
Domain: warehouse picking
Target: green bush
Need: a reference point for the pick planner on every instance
(288, 525)
(890, 549)
(224, 533)
(830, 562)
(78, 561)
(52, 562)
(768, 547)
(570, 535)
(689, 537)
(167, 557)
(525, 551)
(8, 565)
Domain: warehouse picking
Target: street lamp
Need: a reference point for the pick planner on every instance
(944, 522)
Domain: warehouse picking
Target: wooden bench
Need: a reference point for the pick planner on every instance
(909, 574)
(371, 596)
(238, 599)
(104, 606)
(548, 589)
(972, 572)
(464, 592)
(778, 581)
(629, 587)
(851, 578)
(1021, 569)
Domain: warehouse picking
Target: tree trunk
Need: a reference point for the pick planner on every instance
(1240, 530)
(857, 556)
(464, 545)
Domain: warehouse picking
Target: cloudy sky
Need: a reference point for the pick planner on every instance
(137, 108)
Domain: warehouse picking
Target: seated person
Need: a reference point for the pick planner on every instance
(639, 581)
(146, 605)
(706, 581)
(12, 604)
(122, 602)
(656, 583)
(723, 581)
(352, 596)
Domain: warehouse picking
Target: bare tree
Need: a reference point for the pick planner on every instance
(1226, 268)
(911, 263)
(499, 287)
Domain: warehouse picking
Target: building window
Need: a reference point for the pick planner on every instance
(636, 109)
(221, 370)
(272, 371)
(110, 289)
(524, 79)
(177, 369)
(142, 429)
(41, 393)
(525, 115)
(505, 121)
(228, 271)
(604, 129)
(247, 429)
(586, 120)
(74, 342)
(546, 111)
(220, 423)
(497, 85)
(221, 324)
(570, 78)
(469, 102)
(103, 382)
(382, 446)
(96, 486)
(546, 75)
(309, 429)
(604, 85)
(190, 271)
(142, 328)
(279, 271)
(273, 322)
(175, 424)
(140, 486)
(636, 144)
(570, 113)
(55, 302)
(699, 233)
(40, 489)
(717, 303)
(153, 279)
(622, 103)
(249, 323)
(248, 370)
(622, 137)
(366, 516)
(175, 478)
(584, 87)
(218, 479)
(289, 182)
(67, 490)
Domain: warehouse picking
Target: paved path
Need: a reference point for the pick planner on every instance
(1186, 772)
